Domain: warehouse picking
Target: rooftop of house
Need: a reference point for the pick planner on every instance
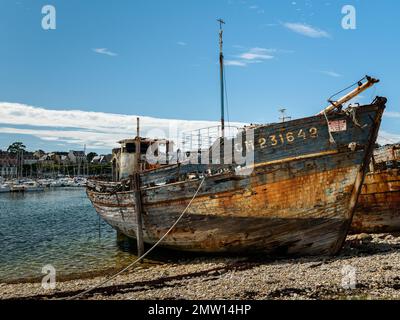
(5, 154)
(78, 153)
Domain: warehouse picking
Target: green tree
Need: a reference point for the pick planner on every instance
(16, 147)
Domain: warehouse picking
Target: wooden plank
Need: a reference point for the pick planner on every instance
(138, 195)
(139, 213)
(378, 208)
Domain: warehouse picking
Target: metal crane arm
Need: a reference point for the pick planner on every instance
(361, 88)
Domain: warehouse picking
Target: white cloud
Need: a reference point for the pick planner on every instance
(388, 138)
(269, 25)
(253, 55)
(331, 73)
(257, 54)
(306, 30)
(235, 63)
(91, 139)
(181, 43)
(105, 51)
(95, 129)
(391, 114)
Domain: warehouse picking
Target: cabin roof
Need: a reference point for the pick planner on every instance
(142, 140)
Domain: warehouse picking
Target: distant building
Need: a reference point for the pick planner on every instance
(61, 158)
(47, 159)
(38, 154)
(29, 158)
(7, 158)
(76, 157)
(64, 160)
(8, 171)
(8, 164)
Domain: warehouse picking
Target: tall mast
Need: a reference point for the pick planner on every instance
(221, 68)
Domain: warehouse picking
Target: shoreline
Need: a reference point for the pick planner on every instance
(375, 259)
(85, 275)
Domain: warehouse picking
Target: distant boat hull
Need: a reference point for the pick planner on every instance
(299, 200)
(26, 188)
(4, 189)
(378, 209)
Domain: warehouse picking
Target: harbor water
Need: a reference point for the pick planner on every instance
(60, 228)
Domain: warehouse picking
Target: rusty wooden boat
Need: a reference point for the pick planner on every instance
(295, 193)
(378, 208)
(299, 199)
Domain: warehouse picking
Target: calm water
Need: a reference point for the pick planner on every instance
(57, 227)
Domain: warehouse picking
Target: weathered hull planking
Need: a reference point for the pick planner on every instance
(299, 199)
(378, 209)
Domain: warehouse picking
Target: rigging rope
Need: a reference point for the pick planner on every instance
(331, 138)
(345, 89)
(352, 113)
(145, 254)
(226, 97)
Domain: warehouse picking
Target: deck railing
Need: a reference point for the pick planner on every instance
(204, 138)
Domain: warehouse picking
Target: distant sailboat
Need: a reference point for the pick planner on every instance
(27, 186)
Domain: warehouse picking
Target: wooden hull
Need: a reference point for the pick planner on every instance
(299, 200)
(378, 209)
(285, 217)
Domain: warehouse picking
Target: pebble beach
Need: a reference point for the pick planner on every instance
(367, 268)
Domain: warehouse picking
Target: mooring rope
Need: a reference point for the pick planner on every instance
(145, 254)
(352, 113)
(331, 138)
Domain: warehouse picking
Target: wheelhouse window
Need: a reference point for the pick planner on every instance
(130, 148)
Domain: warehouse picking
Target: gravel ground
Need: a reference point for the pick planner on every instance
(367, 268)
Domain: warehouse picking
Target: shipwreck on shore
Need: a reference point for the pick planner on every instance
(287, 188)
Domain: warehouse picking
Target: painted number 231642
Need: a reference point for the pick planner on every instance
(288, 137)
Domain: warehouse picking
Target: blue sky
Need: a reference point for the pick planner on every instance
(159, 59)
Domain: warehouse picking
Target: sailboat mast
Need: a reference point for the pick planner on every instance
(221, 68)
